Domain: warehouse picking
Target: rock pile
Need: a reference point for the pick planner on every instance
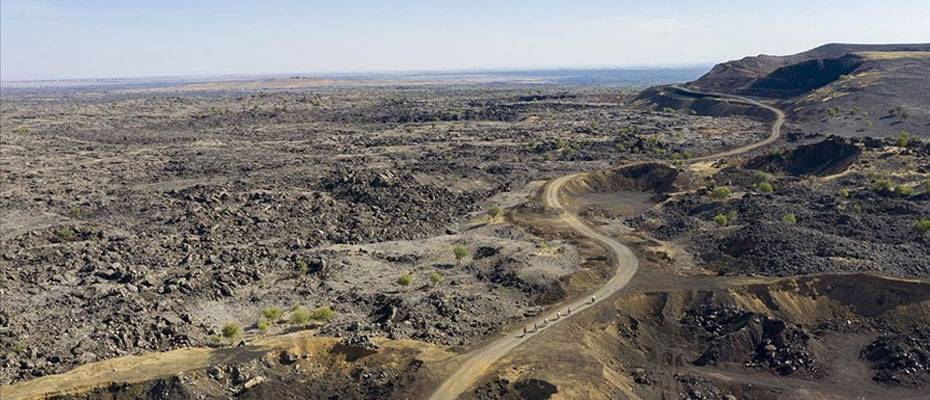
(753, 339)
(900, 358)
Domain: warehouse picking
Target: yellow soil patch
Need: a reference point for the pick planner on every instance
(149, 366)
(893, 55)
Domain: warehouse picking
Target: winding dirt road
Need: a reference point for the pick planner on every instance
(619, 256)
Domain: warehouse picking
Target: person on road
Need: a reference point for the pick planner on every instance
(569, 311)
(558, 315)
(593, 300)
(524, 331)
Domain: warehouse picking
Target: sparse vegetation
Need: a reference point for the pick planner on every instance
(494, 212)
(903, 139)
(765, 187)
(262, 325)
(66, 234)
(301, 267)
(790, 218)
(404, 280)
(724, 219)
(435, 277)
(273, 314)
(460, 252)
(882, 184)
(299, 315)
(922, 225)
(18, 347)
(231, 331)
(904, 190)
(322, 314)
(844, 193)
(720, 193)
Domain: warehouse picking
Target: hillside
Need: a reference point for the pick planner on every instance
(841, 89)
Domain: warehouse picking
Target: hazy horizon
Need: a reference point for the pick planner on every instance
(55, 40)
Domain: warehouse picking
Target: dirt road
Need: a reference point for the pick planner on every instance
(620, 257)
(774, 132)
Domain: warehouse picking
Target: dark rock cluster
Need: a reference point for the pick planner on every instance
(900, 358)
(755, 340)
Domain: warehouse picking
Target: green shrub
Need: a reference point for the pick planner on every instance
(323, 313)
(880, 184)
(66, 234)
(494, 211)
(18, 347)
(74, 211)
(922, 225)
(301, 266)
(765, 187)
(273, 314)
(856, 207)
(435, 277)
(20, 130)
(731, 216)
(404, 280)
(903, 139)
(720, 193)
(262, 325)
(904, 190)
(844, 193)
(299, 315)
(721, 219)
(460, 252)
(790, 218)
(231, 331)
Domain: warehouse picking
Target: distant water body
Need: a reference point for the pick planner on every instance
(610, 77)
(625, 77)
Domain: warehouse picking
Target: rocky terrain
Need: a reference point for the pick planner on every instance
(281, 241)
(842, 336)
(857, 211)
(134, 222)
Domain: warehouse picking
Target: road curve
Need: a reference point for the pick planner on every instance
(619, 256)
(774, 132)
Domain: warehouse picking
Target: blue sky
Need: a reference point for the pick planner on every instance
(101, 39)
